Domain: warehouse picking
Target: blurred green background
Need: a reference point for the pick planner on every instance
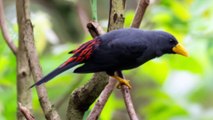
(168, 88)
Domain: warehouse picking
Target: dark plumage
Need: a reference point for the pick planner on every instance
(119, 50)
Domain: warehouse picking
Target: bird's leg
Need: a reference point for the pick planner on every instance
(122, 81)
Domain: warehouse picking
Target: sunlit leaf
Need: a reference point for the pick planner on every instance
(157, 69)
(180, 9)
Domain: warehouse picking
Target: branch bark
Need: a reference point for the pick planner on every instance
(24, 79)
(5, 31)
(128, 102)
(28, 51)
(97, 109)
(26, 112)
(95, 29)
(83, 97)
(141, 8)
(116, 14)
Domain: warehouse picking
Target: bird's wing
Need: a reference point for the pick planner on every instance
(113, 54)
(85, 50)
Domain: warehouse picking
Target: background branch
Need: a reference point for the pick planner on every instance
(26, 42)
(116, 14)
(141, 8)
(24, 78)
(4, 30)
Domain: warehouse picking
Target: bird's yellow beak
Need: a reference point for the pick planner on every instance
(179, 49)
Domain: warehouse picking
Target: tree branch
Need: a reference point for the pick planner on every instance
(83, 97)
(127, 99)
(141, 8)
(95, 29)
(24, 78)
(27, 41)
(4, 30)
(116, 14)
(48, 110)
(128, 102)
(26, 112)
(97, 109)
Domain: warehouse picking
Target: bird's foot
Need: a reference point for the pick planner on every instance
(122, 82)
(125, 82)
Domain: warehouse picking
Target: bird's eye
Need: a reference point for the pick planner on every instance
(172, 41)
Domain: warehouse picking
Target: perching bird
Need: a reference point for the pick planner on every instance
(118, 50)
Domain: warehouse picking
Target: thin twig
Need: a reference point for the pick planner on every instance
(5, 31)
(97, 109)
(128, 101)
(141, 8)
(26, 112)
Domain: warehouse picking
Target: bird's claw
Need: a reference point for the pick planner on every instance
(123, 82)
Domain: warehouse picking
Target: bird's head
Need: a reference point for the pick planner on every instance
(167, 43)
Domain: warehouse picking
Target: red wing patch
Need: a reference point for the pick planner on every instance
(83, 52)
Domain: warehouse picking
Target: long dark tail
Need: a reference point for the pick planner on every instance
(55, 72)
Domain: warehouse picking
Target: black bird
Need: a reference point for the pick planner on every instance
(119, 50)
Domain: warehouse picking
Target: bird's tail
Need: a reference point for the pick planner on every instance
(60, 69)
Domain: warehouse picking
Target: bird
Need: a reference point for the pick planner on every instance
(118, 50)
